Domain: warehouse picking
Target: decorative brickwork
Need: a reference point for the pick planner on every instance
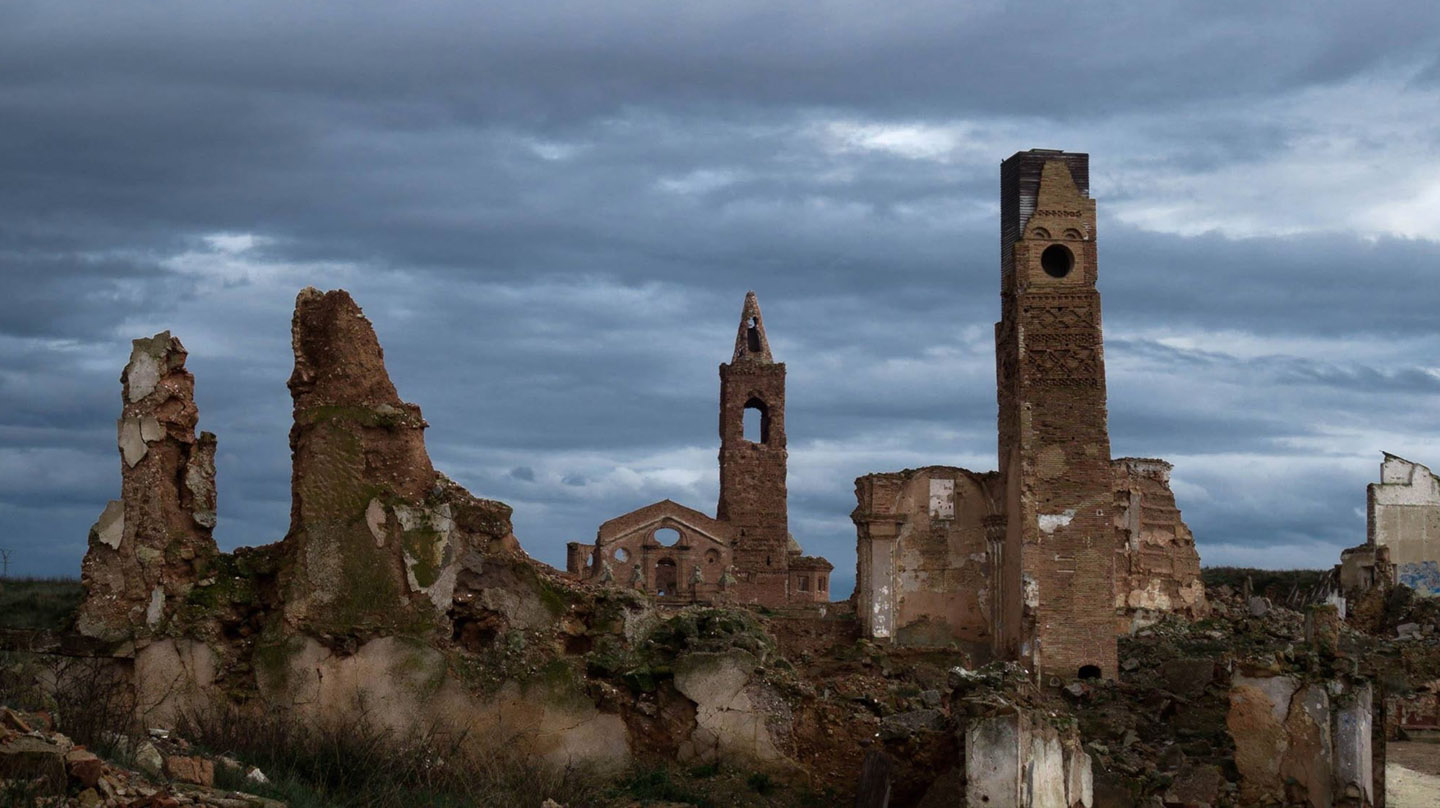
(1044, 561)
(1059, 548)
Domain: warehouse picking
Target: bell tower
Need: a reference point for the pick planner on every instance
(1056, 562)
(752, 462)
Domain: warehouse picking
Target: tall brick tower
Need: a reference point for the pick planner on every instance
(1056, 566)
(752, 466)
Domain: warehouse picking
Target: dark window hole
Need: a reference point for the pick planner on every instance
(1057, 260)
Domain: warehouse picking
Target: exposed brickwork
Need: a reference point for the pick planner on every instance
(1047, 559)
(1054, 441)
(666, 549)
(745, 554)
(922, 543)
(1157, 569)
(752, 472)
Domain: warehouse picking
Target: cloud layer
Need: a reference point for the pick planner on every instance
(552, 212)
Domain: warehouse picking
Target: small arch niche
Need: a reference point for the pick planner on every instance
(756, 426)
(668, 536)
(1089, 672)
(1057, 260)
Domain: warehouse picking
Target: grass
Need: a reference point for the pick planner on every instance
(1274, 584)
(39, 603)
(353, 762)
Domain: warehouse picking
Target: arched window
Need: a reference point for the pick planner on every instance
(757, 421)
(1089, 671)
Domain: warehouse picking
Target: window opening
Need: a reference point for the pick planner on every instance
(804, 583)
(1057, 260)
(667, 536)
(667, 577)
(752, 335)
(1089, 671)
(756, 426)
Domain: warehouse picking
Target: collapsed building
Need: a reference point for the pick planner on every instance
(1044, 560)
(1402, 536)
(396, 597)
(746, 553)
(1403, 523)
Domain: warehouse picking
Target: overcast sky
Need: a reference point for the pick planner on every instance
(552, 211)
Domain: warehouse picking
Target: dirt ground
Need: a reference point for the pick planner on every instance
(1412, 775)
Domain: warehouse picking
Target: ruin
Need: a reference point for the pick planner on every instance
(152, 546)
(1023, 637)
(1063, 545)
(746, 553)
(1403, 517)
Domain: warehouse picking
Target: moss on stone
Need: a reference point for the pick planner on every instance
(420, 548)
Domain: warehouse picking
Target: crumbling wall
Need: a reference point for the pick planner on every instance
(924, 570)
(395, 592)
(1022, 760)
(1157, 568)
(377, 536)
(809, 578)
(664, 549)
(151, 547)
(1300, 741)
(1403, 512)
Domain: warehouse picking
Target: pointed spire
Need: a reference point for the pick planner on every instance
(750, 342)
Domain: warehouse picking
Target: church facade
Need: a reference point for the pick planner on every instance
(745, 554)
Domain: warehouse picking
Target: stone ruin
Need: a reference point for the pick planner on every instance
(1064, 545)
(745, 554)
(1034, 636)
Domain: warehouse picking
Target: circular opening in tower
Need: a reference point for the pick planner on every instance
(1057, 260)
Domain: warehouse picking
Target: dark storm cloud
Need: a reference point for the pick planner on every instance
(551, 215)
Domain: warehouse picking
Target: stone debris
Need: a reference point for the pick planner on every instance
(50, 766)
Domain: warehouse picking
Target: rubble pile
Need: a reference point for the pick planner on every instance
(39, 765)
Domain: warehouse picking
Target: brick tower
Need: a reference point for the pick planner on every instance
(1056, 567)
(752, 466)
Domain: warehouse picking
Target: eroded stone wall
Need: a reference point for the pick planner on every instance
(1404, 516)
(922, 543)
(377, 537)
(1302, 742)
(1021, 760)
(152, 546)
(1157, 568)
